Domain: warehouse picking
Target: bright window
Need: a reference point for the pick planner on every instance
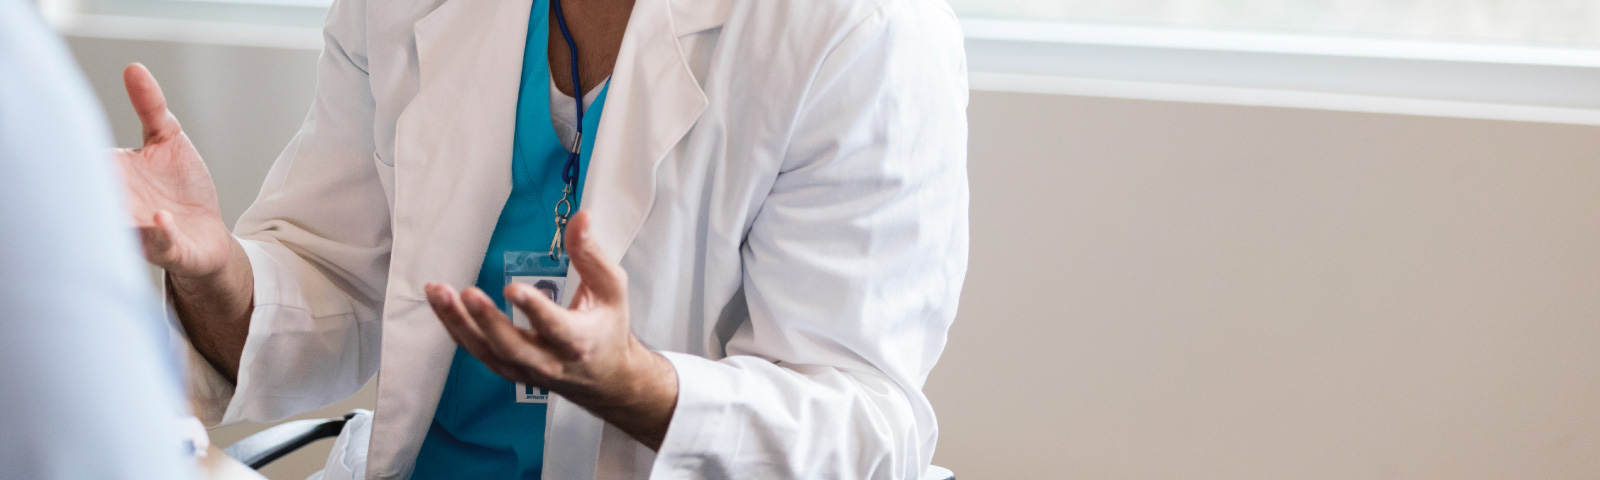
(1544, 22)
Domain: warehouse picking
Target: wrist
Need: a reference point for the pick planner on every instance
(228, 270)
(642, 399)
(657, 380)
(215, 309)
(232, 282)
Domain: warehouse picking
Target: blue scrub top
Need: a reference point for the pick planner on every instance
(478, 430)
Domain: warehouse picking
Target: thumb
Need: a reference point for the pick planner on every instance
(160, 239)
(149, 103)
(600, 275)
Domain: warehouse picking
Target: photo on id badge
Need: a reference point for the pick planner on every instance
(547, 274)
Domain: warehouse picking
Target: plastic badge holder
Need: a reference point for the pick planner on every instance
(548, 275)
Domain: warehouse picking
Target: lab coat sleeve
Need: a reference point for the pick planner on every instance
(853, 269)
(318, 239)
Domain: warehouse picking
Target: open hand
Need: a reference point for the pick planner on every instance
(171, 195)
(586, 353)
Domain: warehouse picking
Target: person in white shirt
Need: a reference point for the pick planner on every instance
(88, 389)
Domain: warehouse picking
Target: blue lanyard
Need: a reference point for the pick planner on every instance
(569, 173)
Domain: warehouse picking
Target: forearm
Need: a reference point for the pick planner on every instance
(640, 404)
(215, 310)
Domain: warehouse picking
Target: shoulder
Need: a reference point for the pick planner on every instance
(828, 22)
(770, 56)
(806, 32)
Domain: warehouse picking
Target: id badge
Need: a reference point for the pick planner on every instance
(549, 277)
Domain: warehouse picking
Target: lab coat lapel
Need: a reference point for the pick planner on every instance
(653, 101)
(452, 175)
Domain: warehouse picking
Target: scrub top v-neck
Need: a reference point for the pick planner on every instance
(478, 430)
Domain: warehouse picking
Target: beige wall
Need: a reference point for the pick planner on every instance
(1168, 290)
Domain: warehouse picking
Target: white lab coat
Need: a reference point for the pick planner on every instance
(783, 180)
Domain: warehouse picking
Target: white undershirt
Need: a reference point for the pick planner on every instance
(564, 113)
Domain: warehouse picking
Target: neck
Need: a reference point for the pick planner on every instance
(597, 28)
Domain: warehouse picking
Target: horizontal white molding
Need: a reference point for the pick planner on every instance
(1281, 43)
(1506, 82)
(1259, 97)
(188, 31)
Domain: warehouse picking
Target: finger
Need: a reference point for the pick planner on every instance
(598, 274)
(553, 323)
(495, 356)
(487, 317)
(159, 238)
(505, 339)
(453, 314)
(149, 103)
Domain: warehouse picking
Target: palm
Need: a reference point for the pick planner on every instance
(171, 195)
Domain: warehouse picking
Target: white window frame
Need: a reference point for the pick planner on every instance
(1394, 76)
(76, 19)
(1409, 77)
